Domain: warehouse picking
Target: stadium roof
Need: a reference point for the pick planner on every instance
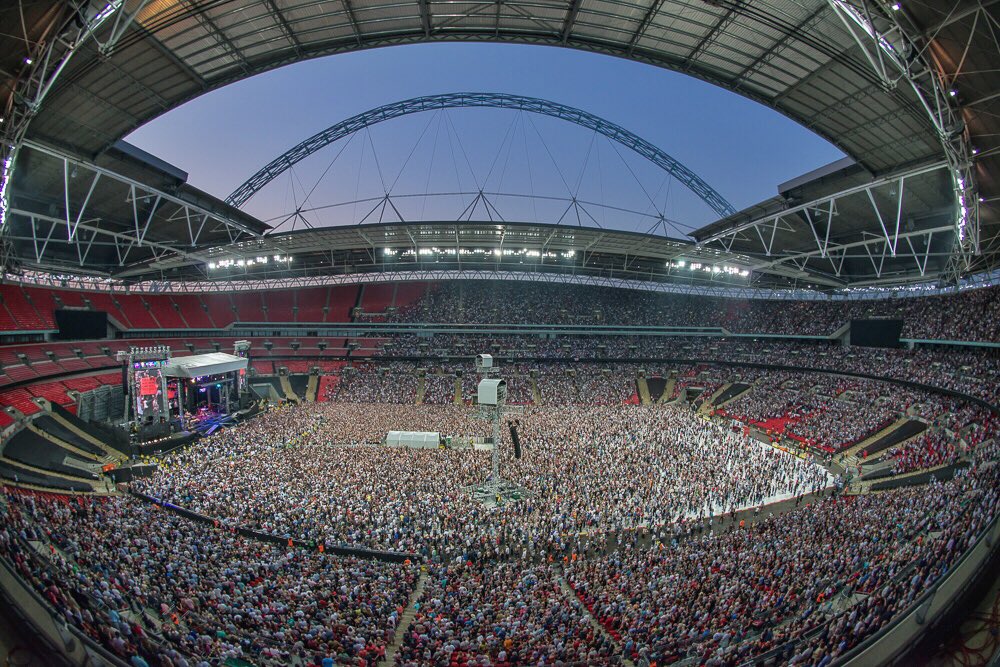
(812, 60)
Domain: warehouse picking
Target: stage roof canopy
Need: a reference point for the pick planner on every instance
(200, 365)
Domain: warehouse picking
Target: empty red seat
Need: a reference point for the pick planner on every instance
(192, 310)
(20, 314)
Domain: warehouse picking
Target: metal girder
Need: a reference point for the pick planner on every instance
(654, 8)
(838, 253)
(219, 35)
(574, 10)
(123, 243)
(155, 202)
(253, 284)
(286, 30)
(766, 227)
(776, 48)
(147, 190)
(78, 23)
(894, 49)
(122, 20)
(729, 17)
(692, 181)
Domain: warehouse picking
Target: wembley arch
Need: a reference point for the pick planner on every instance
(347, 127)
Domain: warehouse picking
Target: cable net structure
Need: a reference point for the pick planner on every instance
(524, 159)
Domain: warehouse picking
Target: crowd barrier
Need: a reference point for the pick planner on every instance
(356, 552)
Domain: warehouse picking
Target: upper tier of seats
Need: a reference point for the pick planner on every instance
(973, 315)
(33, 308)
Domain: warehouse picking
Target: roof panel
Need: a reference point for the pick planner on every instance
(794, 55)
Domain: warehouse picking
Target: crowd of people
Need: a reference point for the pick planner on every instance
(971, 315)
(586, 469)
(825, 412)
(928, 450)
(973, 373)
(501, 615)
(723, 598)
(650, 533)
(806, 585)
(150, 584)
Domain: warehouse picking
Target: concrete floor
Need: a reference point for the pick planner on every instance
(13, 651)
(977, 637)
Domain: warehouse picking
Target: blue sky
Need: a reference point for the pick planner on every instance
(743, 149)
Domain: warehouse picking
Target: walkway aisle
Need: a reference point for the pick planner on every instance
(405, 620)
(593, 621)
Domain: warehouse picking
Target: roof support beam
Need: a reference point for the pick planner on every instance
(147, 190)
(571, 13)
(957, 16)
(425, 16)
(654, 8)
(94, 229)
(822, 201)
(220, 37)
(289, 34)
(47, 62)
(865, 244)
(148, 206)
(884, 39)
(710, 37)
(349, 8)
(174, 58)
(779, 46)
(123, 19)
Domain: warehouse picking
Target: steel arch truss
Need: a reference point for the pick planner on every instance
(820, 244)
(630, 140)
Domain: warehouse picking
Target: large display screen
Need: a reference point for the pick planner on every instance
(148, 385)
(876, 333)
(81, 324)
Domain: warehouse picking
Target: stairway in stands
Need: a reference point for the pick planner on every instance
(405, 619)
(421, 387)
(850, 457)
(110, 454)
(707, 406)
(311, 388)
(643, 390)
(594, 623)
(286, 387)
(66, 445)
(668, 391)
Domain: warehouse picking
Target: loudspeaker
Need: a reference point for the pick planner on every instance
(515, 439)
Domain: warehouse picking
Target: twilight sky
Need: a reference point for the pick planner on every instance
(742, 149)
